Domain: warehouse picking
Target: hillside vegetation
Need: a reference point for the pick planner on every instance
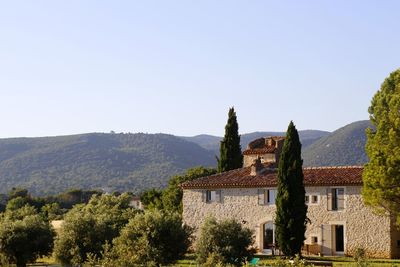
(211, 142)
(345, 146)
(115, 162)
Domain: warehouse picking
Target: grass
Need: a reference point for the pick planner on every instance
(190, 260)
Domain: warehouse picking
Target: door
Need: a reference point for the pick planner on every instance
(339, 238)
(268, 238)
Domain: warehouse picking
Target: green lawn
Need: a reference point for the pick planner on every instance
(268, 260)
(337, 261)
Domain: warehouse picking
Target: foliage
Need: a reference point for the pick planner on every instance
(51, 212)
(71, 197)
(230, 150)
(116, 162)
(23, 239)
(382, 174)
(88, 227)
(226, 242)
(16, 203)
(291, 210)
(18, 192)
(360, 257)
(172, 195)
(296, 262)
(152, 198)
(152, 239)
(345, 146)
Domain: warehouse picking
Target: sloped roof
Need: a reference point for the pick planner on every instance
(264, 150)
(314, 176)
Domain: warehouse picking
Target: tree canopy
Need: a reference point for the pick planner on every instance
(230, 150)
(382, 173)
(291, 210)
(152, 239)
(24, 236)
(172, 195)
(224, 242)
(87, 228)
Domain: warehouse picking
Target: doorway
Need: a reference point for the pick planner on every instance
(269, 238)
(339, 238)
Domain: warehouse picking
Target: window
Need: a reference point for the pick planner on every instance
(314, 240)
(266, 196)
(271, 195)
(312, 199)
(213, 196)
(335, 198)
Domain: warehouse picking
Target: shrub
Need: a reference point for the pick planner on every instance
(87, 228)
(24, 240)
(360, 257)
(226, 242)
(152, 239)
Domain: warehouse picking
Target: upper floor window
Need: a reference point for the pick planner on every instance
(312, 199)
(212, 196)
(336, 199)
(266, 196)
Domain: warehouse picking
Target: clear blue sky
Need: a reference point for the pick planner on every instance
(177, 66)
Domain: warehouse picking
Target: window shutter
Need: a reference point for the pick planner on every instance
(218, 196)
(340, 199)
(261, 197)
(329, 198)
(204, 196)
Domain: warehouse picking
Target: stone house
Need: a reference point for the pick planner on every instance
(340, 222)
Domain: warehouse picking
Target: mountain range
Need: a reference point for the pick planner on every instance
(134, 162)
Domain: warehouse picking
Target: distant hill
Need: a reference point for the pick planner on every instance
(211, 142)
(122, 162)
(345, 146)
(133, 162)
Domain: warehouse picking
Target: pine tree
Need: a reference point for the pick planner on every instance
(230, 151)
(382, 174)
(291, 210)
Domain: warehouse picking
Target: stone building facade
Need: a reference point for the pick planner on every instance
(339, 224)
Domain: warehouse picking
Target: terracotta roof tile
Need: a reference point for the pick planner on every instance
(314, 176)
(264, 150)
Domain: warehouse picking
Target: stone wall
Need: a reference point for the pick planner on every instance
(265, 158)
(363, 229)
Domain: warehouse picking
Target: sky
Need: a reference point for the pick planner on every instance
(73, 66)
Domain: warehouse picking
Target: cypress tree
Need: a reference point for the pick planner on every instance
(230, 151)
(291, 210)
(382, 173)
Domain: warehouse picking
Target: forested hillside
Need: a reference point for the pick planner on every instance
(345, 146)
(211, 142)
(122, 162)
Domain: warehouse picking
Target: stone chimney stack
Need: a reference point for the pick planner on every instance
(256, 168)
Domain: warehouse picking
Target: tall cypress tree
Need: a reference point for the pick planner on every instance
(291, 210)
(230, 151)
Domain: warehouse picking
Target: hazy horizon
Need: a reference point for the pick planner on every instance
(72, 67)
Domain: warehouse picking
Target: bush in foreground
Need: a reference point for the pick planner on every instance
(24, 238)
(152, 239)
(225, 242)
(87, 228)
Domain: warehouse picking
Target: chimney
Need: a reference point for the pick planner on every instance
(256, 168)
